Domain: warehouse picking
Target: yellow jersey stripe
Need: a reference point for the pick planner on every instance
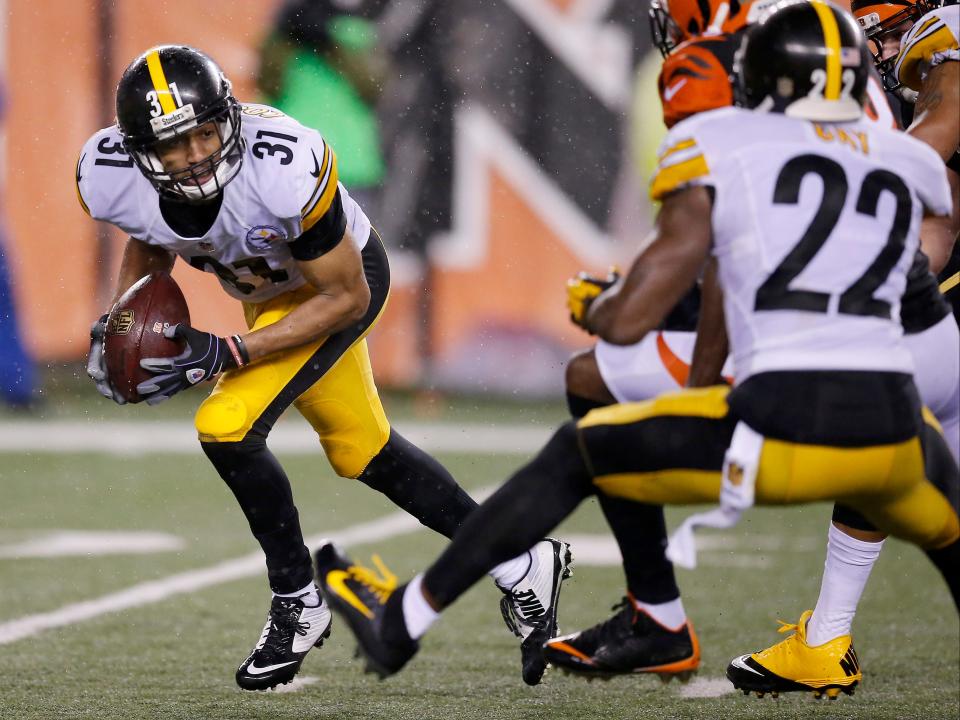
(682, 145)
(831, 40)
(159, 80)
(326, 197)
(76, 182)
(708, 402)
(671, 178)
(921, 50)
(950, 283)
(321, 177)
(82, 203)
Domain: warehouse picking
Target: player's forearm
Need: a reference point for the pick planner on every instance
(937, 119)
(711, 346)
(140, 259)
(319, 317)
(661, 275)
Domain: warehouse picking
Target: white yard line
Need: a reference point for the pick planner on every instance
(398, 523)
(137, 438)
(388, 526)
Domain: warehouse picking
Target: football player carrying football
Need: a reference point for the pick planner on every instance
(247, 193)
(824, 405)
(650, 632)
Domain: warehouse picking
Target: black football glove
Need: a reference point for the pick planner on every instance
(97, 364)
(205, 356)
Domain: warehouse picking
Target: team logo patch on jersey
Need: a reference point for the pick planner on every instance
(262, 237)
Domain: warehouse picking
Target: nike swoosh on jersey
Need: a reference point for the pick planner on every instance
(669, 92)
(335, 579)
(316, 166)
(254, 670)
(739, 663)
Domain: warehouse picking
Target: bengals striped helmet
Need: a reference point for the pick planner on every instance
(882, 19)
(675, 21)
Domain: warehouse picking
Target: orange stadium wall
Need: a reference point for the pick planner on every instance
(515, 237)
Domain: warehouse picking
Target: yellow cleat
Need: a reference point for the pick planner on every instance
(791, 665)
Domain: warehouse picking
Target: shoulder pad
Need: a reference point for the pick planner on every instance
(696, 78)
(298, 169)
(932, 40)
(104, 176)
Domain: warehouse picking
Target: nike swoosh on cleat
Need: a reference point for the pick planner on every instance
(254, 670)
(335, 579)
(316, 166)
(739, 663)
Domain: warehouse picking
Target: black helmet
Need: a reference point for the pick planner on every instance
(804, 59)
(165, 92)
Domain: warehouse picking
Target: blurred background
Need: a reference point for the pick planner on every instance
(499, 146)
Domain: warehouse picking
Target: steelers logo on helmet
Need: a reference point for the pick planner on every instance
(806, 60)
(164, 94)
(884, 22)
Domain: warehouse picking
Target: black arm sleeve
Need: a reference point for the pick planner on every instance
(324, 235)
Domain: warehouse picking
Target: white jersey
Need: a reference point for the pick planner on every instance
(815, 227)
(932, 40)
(287, 183)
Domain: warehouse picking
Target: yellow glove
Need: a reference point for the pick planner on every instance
(583, 289)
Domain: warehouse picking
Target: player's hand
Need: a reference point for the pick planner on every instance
(97, 365)
(205, 356)
(583, 290)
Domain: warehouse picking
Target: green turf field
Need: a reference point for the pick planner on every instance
(175, 658)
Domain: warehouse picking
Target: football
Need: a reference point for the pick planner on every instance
(135, 330)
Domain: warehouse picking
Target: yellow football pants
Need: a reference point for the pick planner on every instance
(329, 381)
(670, 451)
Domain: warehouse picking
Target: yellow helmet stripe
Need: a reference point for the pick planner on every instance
(831, 39)
(159, 80)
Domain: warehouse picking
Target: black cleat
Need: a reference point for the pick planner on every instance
(292, 629)
(371, 604)
(629, 642)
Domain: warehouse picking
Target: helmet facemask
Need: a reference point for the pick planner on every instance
(663, 29)
(880, 21)
(220, 167)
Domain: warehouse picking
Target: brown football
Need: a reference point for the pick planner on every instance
(135, 330)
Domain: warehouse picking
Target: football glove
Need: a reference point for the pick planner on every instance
(205, 356)
(583, 290)
(97, 364)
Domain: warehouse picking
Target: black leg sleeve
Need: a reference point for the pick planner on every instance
(261, 487)
(947, 561)
(417, 483)
(525, 508)
(641, 533)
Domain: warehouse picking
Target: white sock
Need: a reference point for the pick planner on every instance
(845, 574)
(509, 573)
(311, 599)
(669, 614)
(418, 616)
